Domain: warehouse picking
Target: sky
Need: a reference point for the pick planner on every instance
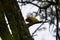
(0, 38)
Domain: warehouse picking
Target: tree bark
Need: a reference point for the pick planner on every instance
(4, 32)
(16, 21)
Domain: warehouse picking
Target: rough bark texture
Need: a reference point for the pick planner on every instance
(4, 32)
(16, 21)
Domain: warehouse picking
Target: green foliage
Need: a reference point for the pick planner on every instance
(45, 0)
(58, 5)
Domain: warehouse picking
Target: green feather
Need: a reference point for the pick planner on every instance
(33, 19)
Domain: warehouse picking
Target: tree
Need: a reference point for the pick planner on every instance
(19, 29)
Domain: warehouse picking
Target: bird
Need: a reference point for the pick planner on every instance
(32, 19)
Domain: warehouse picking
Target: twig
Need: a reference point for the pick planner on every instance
(37, 29)
(44, 7)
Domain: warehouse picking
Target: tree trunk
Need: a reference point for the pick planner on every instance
(4, 32)
(16, 21)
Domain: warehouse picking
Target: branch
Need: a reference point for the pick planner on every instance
(30, 24)
(44, 7)
(37, 29)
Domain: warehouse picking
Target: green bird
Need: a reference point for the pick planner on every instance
(32, 19)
